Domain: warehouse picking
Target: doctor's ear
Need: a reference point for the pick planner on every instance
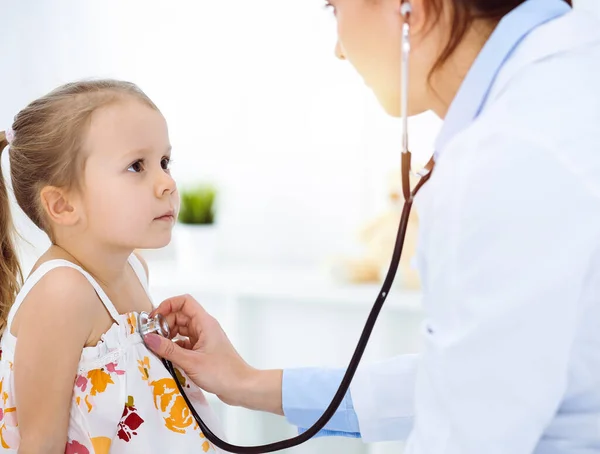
(58, 206)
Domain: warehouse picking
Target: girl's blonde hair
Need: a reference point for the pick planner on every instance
(46, 150)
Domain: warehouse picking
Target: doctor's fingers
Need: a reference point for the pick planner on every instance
(176, 329)
(184, 304)
(184, 342)
(194, 327)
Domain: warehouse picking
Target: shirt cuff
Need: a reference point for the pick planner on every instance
(307, 392)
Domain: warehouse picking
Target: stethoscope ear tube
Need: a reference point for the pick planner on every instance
(354, 362)
(345, 384)
(377, 306)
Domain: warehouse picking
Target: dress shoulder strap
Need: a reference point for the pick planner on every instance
(42, 270)
(139, 270)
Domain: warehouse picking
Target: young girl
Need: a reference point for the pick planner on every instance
(89, 165)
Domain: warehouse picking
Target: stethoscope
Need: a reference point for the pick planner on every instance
(158, 324)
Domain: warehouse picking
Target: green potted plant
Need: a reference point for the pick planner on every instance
(197, 205)
(196, 231)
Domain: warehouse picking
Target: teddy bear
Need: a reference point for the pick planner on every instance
(377, 239)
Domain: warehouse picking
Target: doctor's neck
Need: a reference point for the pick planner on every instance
(445, 81)
(449, 37)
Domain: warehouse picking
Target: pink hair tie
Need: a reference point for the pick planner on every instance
(10, 135)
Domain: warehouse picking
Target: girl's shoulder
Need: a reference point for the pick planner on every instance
(57, 291)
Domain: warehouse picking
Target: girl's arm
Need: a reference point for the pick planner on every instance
(55, 321)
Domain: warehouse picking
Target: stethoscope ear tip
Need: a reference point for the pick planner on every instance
(405, 9)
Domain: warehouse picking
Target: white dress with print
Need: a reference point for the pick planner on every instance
(124, 400)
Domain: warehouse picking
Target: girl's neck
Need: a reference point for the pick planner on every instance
(105, 265)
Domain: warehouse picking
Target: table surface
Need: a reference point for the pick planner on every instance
(299, 284)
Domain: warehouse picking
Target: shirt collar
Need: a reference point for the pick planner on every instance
(473, 92)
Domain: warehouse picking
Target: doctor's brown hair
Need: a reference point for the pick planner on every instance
(47, 150)
(463, 13)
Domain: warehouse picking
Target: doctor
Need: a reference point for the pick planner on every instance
(509, 251)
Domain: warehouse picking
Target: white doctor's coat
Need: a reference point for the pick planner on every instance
(509, 256)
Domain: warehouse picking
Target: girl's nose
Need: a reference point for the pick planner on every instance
(165, 185)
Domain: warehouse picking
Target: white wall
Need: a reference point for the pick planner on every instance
(255, 101)
(589, 5)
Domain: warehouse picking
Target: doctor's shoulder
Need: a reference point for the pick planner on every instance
(548, 110)
(550, 89)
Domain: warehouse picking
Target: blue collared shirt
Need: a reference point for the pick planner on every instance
(307, 392)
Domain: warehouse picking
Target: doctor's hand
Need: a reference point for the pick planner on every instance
(209, 359)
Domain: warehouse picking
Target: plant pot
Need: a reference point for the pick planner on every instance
(195, 245)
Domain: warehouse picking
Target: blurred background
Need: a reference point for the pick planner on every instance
(302, 161)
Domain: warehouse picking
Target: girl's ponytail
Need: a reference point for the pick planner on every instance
(11, 276)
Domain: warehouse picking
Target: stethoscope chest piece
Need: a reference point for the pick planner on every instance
(157, 325)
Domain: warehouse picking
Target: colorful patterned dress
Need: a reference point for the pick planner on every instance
(124, 400)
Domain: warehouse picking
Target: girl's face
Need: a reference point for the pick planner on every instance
(129, 198)
(370, 38)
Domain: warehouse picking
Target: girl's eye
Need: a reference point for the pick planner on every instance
(166, 162)
(137, 166)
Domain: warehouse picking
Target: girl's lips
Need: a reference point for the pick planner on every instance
(170, 216)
